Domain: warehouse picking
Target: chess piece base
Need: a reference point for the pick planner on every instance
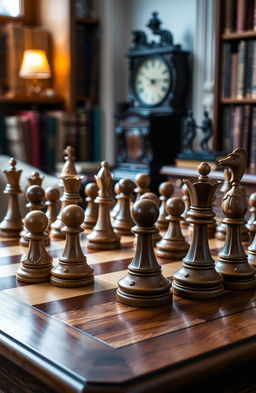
(123, 232)
(88, 225)
(236, 275)
(57, 235)
(9, 234)
(162, 225)
(143, 301)
(60, 282)
(175, 249)
(103, 245)
(33, 275)
(71, 274)
(196, 293)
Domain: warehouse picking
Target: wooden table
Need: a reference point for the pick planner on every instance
(82, 340)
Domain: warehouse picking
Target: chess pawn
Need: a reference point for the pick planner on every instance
(70, 196)
(36, 264)
(103, 236)
(35, 179)
(142, 181)
(166, 190)
(144, 285)
(35, 197)
(232, 261)
(173, 245)
(72, 269)
(186, 200)
(115, 210)
(11, 225)
(197, 278)
(91, 211)
(153, 197)
(52, 196)
(123, 221)
(251, 223)
(69, 168)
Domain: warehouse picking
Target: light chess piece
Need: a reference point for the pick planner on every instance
(35, 179)
(36, 264)
(123, 221)
(197, 278)
(251, 223)
(72, 269)
(173, 245)
(52, 196)
(11, 225)
(221, 229)
(144, 285)
(91, 211)
(103, 236)
(166, 190)
(232, 261)
(142, 181)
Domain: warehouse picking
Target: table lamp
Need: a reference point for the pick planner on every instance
(35, 66)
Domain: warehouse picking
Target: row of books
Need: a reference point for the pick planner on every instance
(86, 8)
(14, 39)
(239, 130)
(239, 15)
(239, 69)
(40, 138)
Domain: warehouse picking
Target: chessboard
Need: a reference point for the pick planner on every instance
(83, 340)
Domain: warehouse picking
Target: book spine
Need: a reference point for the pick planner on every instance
(229, 20)
(241, 69)
(226, 74)
(253, 141)
(249, 69)
(240, 15)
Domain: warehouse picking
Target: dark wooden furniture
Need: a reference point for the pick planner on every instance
(82, 340)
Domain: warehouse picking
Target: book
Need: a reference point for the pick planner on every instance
(252, 153)
(249, 69)
(234, 65)
(33, 118)
(226, 74)
(229, 17)
(84, 134)
(227, 140)
(237, 126)
(246, 124)
(241, 15)
(241, 69)
(2, 135)
(180, 163)
(96, 139)
(14, 138)
(253, 93)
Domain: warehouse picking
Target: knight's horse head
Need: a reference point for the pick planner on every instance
(237, 162)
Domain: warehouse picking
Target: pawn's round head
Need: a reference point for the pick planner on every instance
(175, 206)
(252, 200)
(204, 169)
(166, 189)
(142, 180)
(153, 197)
(145, 213)
(91, 190)
(52, 194)
(35, 194)
(72, 216)
(36, 221)
(126, 186)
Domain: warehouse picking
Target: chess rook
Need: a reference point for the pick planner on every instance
(144, 285)
(142, 181)
(72, 269)
(91, 211)
(197, 277)
(11, 225)
(36, 264)
(232, 261)
(123, 221)
(166, 190)
(103, 236)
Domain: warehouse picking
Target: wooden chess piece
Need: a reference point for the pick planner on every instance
(213, 225)
(153, 197)
(173, 245)
(69, 168)
(115, 210)
(35, 179)
(232, 261)
(144, 285)
(91, 211)
(35, 197)
(72, 269)
(166, 190)
(251, 223)
(197, 278)
(36, 264)
(52, 196)
(71, 196)
(123, 221)
(11, 225)
(221, 229)
(142, 181)
(103, 236)
(186, 199)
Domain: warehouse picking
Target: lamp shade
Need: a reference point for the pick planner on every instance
(35, 65)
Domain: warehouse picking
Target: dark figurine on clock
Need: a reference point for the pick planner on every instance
(148, 127)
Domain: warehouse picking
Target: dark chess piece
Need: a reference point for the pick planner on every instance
(91, 211)
(221, 229)
(36, 264)
(186, 199)
(189, 132)
(72, 269)
(156, 237)
(115, 210)
(123, 221)
(144, 285)
(103, 236)
(142, 181)
(232, 261)
(71, 196)
(206, 127)
(35, 179)
(11, 225)
(69, 168)
(35, 197)
(251, 223)
(173, 245)
(197, 278)
(52, 196)
(166, 190)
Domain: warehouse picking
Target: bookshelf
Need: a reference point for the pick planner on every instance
(235, 77)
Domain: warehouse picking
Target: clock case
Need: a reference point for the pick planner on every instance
(148, 137)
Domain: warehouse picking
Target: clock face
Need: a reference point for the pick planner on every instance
(152, 81)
